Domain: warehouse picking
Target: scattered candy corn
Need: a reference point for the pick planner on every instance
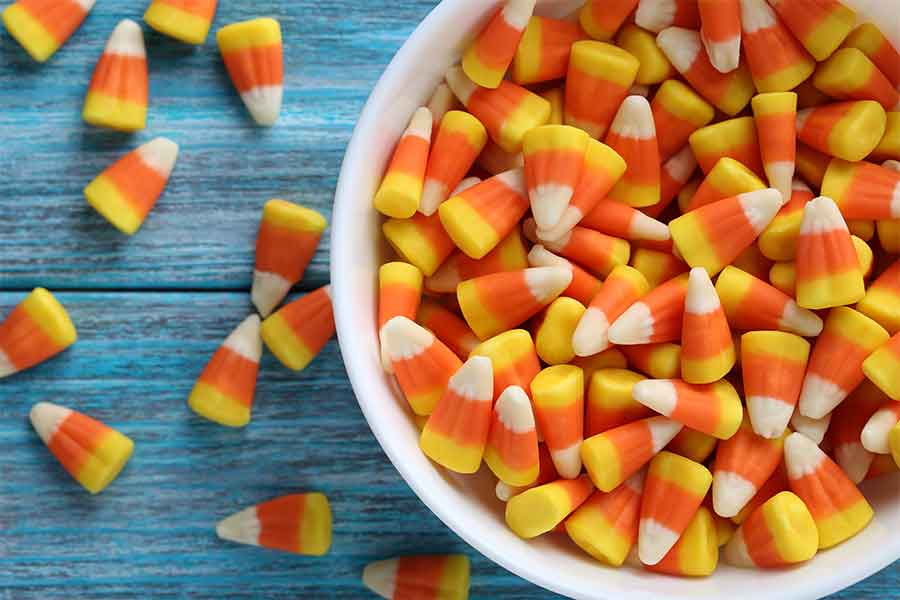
(693, 444)
(558, 395)
(696, 553)
(600, 253)
(399, 294)
(252, 52)
(299, 330)
(775, 116)
(425, 576)
(543, 53)
(659, 361)
(779, 240)
(540, 509)
(707, 352)
(881, 300)
(609, 401)
(448, 327)
(720, 30)
(849, 75)
(622, 288)
(117, 94)
(508, 255)
(185, 20)
(554, 336)
(773, 365)
(656, 15)
(820, 25)
(420, 240)
(598, 80)
(875, 435)
(400, 192)
(633, 135)
(296, 523)
(868, 38)
(512, 447)
(862, 190)
(678, 112)
(777, 61)
(42, 26)
(487, 58)
(734, 138)
(554, 155)
(602, 18)
(459, 140)
(514, 359)
(848, 130)
(713, 409)
(727, 178)
(36, 330)
(91, 452)
(849, 420)
(780, 532)
(657, 317)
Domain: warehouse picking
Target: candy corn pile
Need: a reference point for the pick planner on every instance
(654, 362)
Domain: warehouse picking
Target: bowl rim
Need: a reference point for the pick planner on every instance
(341, 260)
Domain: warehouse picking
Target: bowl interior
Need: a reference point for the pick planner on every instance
(467, 504)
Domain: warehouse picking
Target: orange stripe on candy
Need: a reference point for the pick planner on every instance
(205, 9)
(271, 257)
(280, 522)
(461, 419)
(720, 237)
(231, 374)
(397, 300)
(567, 424)
(703, 76)
(255, 67)
(122, 77)
(509, 446)
(23, 341)
(561, 167)
(493, 114)
(827, 253)
(786, 387)
(721, 20)
(75, 440)
(500, 206)
(826, 491)
(412, 571)
(139, 183)
(697, 405)
(670, 504)
(519, 373)
(497, 42)
(458, 153)
(314, 330)
(777, 136)
(704, 336)
(599, 98)
(59, 17)
(410, 156)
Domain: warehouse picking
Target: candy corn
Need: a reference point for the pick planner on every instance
(674, 489)
(814, 429)
(778, 482)
(447, 327)
(847, 426)
(882, 300)
(185, 20)
(426, 576)
(507, 112)
(615, 455)
(36, 330)
(624, 286)
(780, 532)
(554, 155)
(875, 435)
(117, 94)
(729, 92)
(868, 38)
(606, 525)
(820, 25)
(775, 115)
(657, 317)
(512, 446)
(811, 165)
(42, 26)
(513, 357)
(657, 266)
(296, 523)
(598, 80)
(675, 174)
(743, 464)
(863, 190)
(496, 160)
(557, 99)
(558, 394)
(777, 61)
(727, 178)
(714, 409)
(91, 452)
(224, 391)
(608, 359)
(441, 102)
(598, 252)
(696, 553)
(828, 270)
(422, 363)
(583, 286)
(773, 365)
(881, 368)
(602, 18)
(479, 217)
(848, 130)
(835, 366)
(399, 294)
(460, 139)
(633, 135)
(837, 507)
(734, 138)
(553, 338)
(543, 52)
(707, 352)
(609, 401)
(487, 58)
(779, 240)
(656, 15)
(677, 113)
(622, 221)
(540, 509)
(546, 474)
(714, 235)
(287, 239)
(720, 30)
(508, 255)
(299, 330)
(252, 53)
(888, 149)
(457, 431)
(751, 303)
(693, 444)
(400, 191)
(655, 67)
(420, 240)
(849, 75)
(659, 361)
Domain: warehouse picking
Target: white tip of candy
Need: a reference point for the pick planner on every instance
(756, 15)
(724, 56)
(546, 283)
(433, 195)
(654, 541)
(568, 461)
(801, 455)
(160, 155)
(403, 339)
(634, 120)
(731, 492)
(735, 552)
(821, 215)
(854, 460)
(513, 408)
(468, 182)
(655, 15)
(681, 46)
(46, 417)
(657, 394)
(381, 577)
(268, 290)
(127, 39)
(6, 366)
(814, 429)
(876, 433)
(701, 298)
(781, 177)
(591, 334)
(569, 219)
(245, 339)
(644, 227)
(633, 327)
(891, 165)
(264, 103)
(681, 165)
(548, 203)
(242, 527)
(516, 13)
(445, 279)
(420, 124)
(760, 207)
(801, 321)
(86, 5)
(769, 416)
(662, 431)
(819, 396)
(474, 380)
(462, 86)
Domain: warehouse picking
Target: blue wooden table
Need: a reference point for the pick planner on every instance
(150, 310)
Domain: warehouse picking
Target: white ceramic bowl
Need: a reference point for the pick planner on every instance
(467, 504)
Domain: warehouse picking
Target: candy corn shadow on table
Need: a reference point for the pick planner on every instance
(151, 309)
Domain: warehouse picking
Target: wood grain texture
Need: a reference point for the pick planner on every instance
(151, 309)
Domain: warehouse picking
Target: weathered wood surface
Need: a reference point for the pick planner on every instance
(150, 535)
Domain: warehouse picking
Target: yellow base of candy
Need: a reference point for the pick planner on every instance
(405, 238)
(883, 307)
(507, 474)
(106, 199)
(601, 459)
(858, 132)
(177, 23)
(449, 454)
(883, 369)
(889, 235)
(105, 462)
(105, 111)
(631, 194)
(480, 73)
(466, 227)
(785, 79)
(835, 290)
(255, 33)
(894, 443)
(708, 370)
(283, 343)
(589, 528)
(554, 337)
(29, 32)
(210, 403)
(315, 528)
(398, 196)
(844, 525)
(793, 529)
(53, 319)
(537, 511)
(698, 547)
